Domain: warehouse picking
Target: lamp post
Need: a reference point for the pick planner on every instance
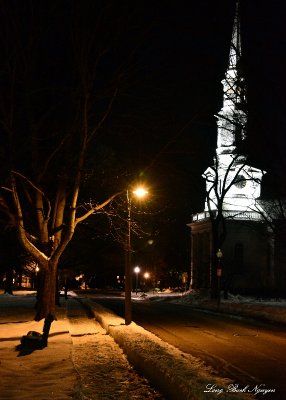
(146, 276)
(136, 270)
(140, 192)
(218, 272)
(37, 269)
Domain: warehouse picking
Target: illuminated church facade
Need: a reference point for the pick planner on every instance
(230, 240)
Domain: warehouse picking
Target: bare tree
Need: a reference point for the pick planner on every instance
(50, 121)
(222, 179)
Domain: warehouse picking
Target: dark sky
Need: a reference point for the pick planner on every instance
(185, 56)
(173, 56)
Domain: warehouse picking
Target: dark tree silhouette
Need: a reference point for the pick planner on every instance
(62, 75)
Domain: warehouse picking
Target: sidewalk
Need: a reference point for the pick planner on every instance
(42, 374)
(103, 368)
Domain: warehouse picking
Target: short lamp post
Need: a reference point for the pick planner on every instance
(136, 270)
(219, 273)
(37, 269)
(146, 276)
(139, 193)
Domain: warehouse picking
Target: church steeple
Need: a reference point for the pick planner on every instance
(232, 117)
(230, 178)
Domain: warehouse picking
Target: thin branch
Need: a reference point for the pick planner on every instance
(7, 189)
(105, 115)
(97, 208)
(36, 188)
(52, 155)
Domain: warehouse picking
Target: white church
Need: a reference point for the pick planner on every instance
(232, 245)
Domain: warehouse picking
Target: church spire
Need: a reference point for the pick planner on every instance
(232, 118)
(231, 184)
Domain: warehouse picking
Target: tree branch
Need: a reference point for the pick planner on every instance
(27, 244)
(105, 115)
(97, 208)
(36, 188)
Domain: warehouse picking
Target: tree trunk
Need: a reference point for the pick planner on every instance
(46, 298)
(9, 282)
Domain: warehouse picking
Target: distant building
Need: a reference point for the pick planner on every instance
(231, 242)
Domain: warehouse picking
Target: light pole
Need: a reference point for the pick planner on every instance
(37, 269)
(136, 270)
(140, 192)
(218, 272)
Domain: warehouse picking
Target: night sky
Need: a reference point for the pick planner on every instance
(171, 57)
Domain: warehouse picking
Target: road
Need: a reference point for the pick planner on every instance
(249, 353)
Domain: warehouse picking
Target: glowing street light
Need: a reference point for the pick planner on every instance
(139, 192)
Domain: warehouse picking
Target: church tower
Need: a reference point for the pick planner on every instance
(230, 177)
(232, 220)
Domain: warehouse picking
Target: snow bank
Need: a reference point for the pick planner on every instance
(176, 374)
(268, 310)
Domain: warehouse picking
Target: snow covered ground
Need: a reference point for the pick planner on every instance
(42, 374)
(273, 310)
(82, 362)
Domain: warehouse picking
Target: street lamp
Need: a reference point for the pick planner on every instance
(218, 272)
(37, 269)
(146, 276)
(136, 270)
(139, 192)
